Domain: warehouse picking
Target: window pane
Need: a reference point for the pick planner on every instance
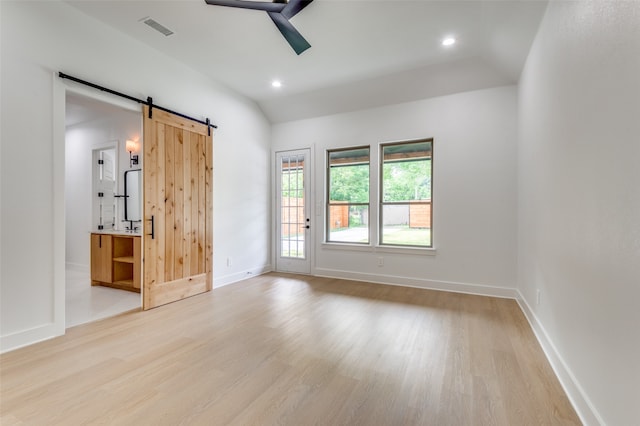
(406, 224)
(406, 172)
(292, 174)
(348, 204)
(349, 175)
(349, 156)
(406, 194)
(348, 224)
(292, 202)
(406, 151)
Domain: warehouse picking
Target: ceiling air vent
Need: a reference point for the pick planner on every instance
(157, 26)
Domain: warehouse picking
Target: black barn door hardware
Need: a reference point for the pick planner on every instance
(148, 102)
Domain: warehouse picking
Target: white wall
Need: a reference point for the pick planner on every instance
(474, 188)
(40, 38)
(80, 141)
(579, 202)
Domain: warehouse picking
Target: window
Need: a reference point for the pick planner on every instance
(348, 195)
(292, 214)
(405, 199)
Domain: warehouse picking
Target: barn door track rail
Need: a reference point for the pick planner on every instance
(148, 101)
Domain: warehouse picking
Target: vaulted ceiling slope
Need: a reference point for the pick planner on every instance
(365, 53)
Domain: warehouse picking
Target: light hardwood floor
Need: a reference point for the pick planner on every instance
(292, 350)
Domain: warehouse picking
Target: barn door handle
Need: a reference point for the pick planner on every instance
(153, 231)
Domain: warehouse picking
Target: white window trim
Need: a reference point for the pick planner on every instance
(420, 251)
(374, 200)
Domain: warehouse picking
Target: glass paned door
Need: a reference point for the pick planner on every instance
(104, 188)
(293, 219)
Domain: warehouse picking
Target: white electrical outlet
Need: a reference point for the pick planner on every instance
(228, 261)
(381, 261)
(538, 296)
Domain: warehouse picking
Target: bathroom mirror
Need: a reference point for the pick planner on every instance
(132, 196)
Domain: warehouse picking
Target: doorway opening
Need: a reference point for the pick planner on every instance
(95, 166)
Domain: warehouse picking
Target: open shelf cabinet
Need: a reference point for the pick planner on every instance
(115, 261)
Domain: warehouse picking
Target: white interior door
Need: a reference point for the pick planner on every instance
(293, 211)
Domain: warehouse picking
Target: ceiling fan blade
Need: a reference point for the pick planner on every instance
(245, 4)
(295, 39)
(293, 7)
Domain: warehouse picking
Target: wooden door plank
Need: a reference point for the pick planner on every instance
(208, 182)
(178, 191)
(150, 202)
(169, 203)
(171, 291)
(202, 196)
(188, 185)
(195, 191)
(160, 206)
(173, 120)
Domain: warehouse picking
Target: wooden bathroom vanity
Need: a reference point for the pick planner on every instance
(115, 260)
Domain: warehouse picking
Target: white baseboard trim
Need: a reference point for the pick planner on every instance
(28, 337)
(455, 287)
(579, 399)
(240, 276)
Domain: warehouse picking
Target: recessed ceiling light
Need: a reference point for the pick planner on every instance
(448, 41)
(276, 83)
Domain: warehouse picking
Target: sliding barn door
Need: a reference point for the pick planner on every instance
(178, 208)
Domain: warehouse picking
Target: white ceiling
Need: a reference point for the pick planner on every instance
(365, 53)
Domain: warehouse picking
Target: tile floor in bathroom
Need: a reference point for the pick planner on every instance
(86, 303)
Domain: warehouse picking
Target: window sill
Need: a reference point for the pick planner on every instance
(380, 249)
(347, 246)
(421, 251)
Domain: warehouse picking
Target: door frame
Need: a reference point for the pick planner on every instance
(57, 326)
(315, 221)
